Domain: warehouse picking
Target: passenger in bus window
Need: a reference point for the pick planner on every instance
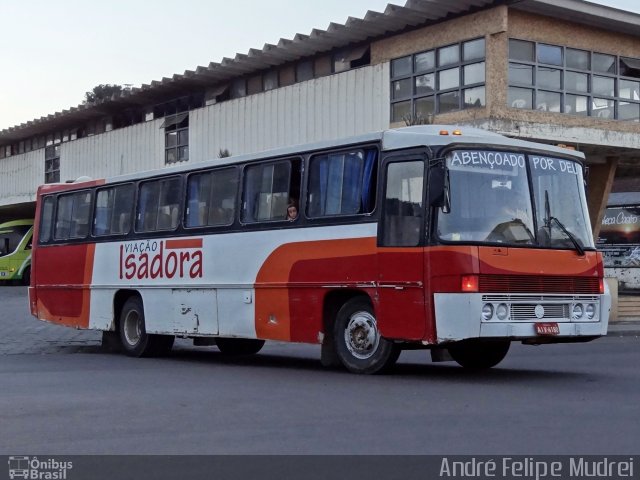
(292, 211)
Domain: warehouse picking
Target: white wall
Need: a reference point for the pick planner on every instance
(350, 103)
(20, 176)
(341, 105)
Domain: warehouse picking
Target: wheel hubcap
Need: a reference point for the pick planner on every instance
(132, 328)
(361, 335)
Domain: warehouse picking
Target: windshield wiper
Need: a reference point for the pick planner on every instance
(571, 236)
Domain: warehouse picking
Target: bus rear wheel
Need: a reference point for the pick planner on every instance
(133, 336)
(477, 354)
(357, 340)
(239, 346)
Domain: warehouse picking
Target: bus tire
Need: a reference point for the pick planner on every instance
(477, 354)
(239, 346)
(133, 336)
(358, 343)
(26, 276)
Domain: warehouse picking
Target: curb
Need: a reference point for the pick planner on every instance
(630, 328)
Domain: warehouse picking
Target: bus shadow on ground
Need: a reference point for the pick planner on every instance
(447, 371)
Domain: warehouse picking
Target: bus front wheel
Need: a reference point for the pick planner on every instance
(357, 340)
(479, 354)
(133, 336)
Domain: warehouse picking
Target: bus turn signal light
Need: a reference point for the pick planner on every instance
(456, 132)
(444, 132)
(601, 286)
(470, 283)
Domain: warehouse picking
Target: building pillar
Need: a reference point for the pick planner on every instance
(598, 189)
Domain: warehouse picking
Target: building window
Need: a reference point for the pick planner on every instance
(441, 80)
(52, 164)
(176, 138)
(560, 79)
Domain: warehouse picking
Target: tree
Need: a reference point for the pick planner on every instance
(102, 92)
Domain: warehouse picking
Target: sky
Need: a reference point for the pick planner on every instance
(52, 52)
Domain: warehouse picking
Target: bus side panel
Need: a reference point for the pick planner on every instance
(444, 267)
(63, 284)
(292, 283)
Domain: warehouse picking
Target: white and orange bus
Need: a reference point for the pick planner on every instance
(422, 237)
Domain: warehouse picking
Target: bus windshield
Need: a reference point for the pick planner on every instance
(491, 200)
(11, 237)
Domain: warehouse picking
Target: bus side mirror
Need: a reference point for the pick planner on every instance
(437, 186)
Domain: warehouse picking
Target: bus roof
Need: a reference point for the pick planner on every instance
(406, 137)
(17, 223)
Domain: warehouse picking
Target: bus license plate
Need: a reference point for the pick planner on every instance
(550, 328)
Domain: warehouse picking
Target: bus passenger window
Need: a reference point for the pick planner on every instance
(342, 183)
(268, 189)
(113, 210)
(72, 217)
(46, 220)
(159, 205)
(211, 198)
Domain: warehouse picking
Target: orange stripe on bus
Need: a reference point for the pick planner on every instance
(179, 244)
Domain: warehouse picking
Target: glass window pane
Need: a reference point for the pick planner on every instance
(47, 220)
(576, 82)
(183, 137)
(474, 97)
(401, 88)
(425, 84)
(171, 139)
(474, 73)
(425, 61)
(603, 86)
(473, 50)
(604, 63)
(266, 192)
(448, 55)
(449, 78)
(401, 67)
(336, 183)
(629, 111)
(400, 111)
(304, 70)
(183, 154)
(270, 80)
(548, 101)
(549, 78)
(171, 155)
(520, 97)
(448, 102)
(603, 108)
(629, 89)
(425, 106)
(519, 73)
(576, 104)
(578, 59)
(403, 204)
(521, 50)
(551, 54)
(630, 67)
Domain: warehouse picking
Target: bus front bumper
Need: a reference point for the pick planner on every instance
(548, 317)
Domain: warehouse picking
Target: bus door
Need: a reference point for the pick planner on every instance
(401, 294)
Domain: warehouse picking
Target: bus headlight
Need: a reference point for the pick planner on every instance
(487, 311)
(590, 311)
(502, 312)
(578, 311)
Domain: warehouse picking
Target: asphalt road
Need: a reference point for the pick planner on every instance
(60, 394)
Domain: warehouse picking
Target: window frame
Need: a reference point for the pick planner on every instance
(565, 91)
(414, 98)
(54, 227)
